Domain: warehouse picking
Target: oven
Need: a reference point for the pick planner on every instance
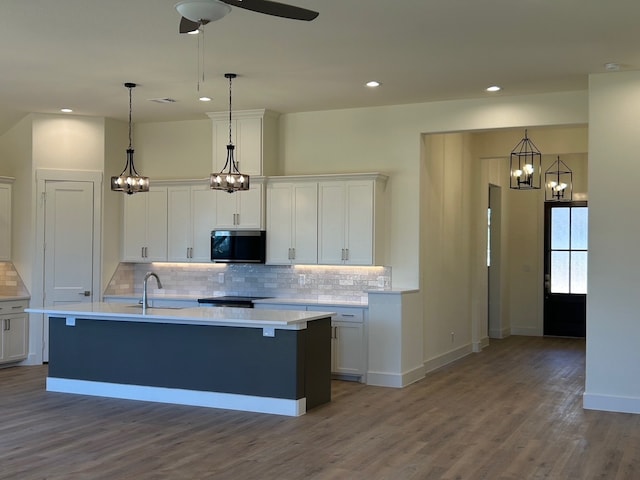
(228, 301)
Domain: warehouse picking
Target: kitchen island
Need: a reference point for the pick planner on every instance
(234, 358)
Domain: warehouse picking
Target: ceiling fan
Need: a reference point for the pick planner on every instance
(196, 13)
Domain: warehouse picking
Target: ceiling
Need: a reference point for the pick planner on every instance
(78, 54)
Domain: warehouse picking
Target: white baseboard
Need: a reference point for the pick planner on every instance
(609, 403)
(480, 344)
(395, 380)
(229, 401)
(525, 331)
(446, 358)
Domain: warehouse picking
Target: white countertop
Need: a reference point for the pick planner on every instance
(213, 316)
(7, 298)
(308, 301)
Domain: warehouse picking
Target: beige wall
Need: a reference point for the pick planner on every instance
(15, 154)
(173, 150)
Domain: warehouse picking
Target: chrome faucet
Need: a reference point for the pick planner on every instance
(145, 300)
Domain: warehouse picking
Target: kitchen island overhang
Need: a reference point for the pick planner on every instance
(266, 361)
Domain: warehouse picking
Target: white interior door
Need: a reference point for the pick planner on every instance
(69, 244)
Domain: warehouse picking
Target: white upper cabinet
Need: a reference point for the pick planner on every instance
(145, 226)
(292, 222)
(255, 136)
(191, 217)
(351, 221)
(5, 218)
(241, 210)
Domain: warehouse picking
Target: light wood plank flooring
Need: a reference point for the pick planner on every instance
(513, 411)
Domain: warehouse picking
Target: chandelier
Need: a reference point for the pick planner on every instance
(558, 179)
(129, 180)
(525, 164)
(229, 179)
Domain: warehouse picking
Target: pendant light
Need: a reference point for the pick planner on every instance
(558, 180)
(229, 179)
(526, 165)
(129, 180)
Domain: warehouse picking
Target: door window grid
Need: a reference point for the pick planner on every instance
(569, 250)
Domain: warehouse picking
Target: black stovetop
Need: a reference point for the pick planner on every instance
(225, 299)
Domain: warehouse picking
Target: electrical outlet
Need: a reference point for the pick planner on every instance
(453, 337)
(221, 277)
(381, 282)
(302, 279)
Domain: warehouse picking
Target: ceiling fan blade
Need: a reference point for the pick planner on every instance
(187, 25)
(274, 8)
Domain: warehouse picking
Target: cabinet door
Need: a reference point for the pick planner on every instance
(305, 223)
(156, 224)
(239, 209)
(250, 208)
(14, 337)
(246, 135)
(203, 214)
(331, 223)
(179, 224)
(145, 226)
(359, 223)
(279, 223)
(348, 348)
(135, 227)
(5, 222)
(249, 145)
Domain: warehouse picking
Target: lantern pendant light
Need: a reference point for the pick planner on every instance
(525, 164)
(129, 180)
(558, 179)
(229, 179)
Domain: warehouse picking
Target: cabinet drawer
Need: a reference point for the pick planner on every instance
(343, 314)
(13, 306)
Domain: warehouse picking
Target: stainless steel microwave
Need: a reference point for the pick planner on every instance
(238, 246)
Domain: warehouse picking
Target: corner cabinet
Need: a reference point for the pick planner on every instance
(351, 219)
(14, 332)
(145, 226)
(292, 222)
(255, 136)
(191, 215)
(5, 217)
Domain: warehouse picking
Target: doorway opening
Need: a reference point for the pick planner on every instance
(494, 300)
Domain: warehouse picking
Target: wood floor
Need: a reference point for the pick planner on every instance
(513, 411)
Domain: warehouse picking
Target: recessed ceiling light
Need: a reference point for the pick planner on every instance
(493, 88)
(66, 110)
(373, 84)
(205, 99)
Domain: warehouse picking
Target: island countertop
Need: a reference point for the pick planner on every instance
(215, 316)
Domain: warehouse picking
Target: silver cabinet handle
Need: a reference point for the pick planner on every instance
(86, 293)
(293, 253)
(346, 254)
(142, 252)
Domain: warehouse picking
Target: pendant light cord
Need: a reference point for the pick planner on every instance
(230, 77)
(130, 88)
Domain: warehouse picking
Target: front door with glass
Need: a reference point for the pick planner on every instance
(565, 268)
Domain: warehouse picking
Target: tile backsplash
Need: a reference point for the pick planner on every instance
(310, 282)
(11, 285)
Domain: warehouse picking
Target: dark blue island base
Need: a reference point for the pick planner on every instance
(238, 368)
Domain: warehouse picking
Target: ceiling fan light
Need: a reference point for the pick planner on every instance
(196, 10)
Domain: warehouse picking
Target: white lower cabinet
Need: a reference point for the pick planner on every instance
(14, 332)
(348, 337)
